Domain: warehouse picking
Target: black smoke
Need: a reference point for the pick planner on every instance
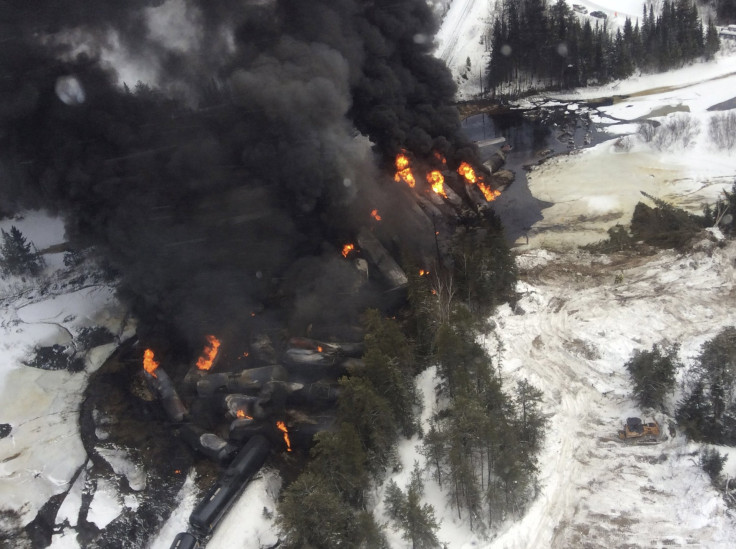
(222, 192)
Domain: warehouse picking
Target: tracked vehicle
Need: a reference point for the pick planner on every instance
(637, 431)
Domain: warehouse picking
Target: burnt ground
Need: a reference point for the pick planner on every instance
(119, 412)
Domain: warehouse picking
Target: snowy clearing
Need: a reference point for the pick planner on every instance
(43, 449)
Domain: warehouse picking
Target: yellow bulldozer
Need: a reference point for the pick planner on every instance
(637, 431)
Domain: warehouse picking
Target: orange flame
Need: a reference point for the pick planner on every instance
(422, 272)
(403, 171)
(319, 348)
(375, 215)
(347, 248)
(469, 174)
(149, 365)
(240, 414)
(204, 362)
(282, 427)
(467, 171)
(436, 179)
(489, 193)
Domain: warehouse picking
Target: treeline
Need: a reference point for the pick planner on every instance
(725, 10)
(482, 444)
(535, 45)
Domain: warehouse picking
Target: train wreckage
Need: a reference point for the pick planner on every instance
(237, 417)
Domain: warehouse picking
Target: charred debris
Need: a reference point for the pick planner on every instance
(310, 157)
(236, 406)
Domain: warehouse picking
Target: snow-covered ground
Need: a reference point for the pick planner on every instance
(466, 25)
(575, 327)
(43, 451)
(596, 188)
(573, 332)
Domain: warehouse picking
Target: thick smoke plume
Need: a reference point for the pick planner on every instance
(222, 192)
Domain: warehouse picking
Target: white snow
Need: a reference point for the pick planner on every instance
(67, 539)
(43, 451)
(106, 504)
(122, 465)
(595, 488)
(178, 521)
(466, 27)
(249, 525)
(72, 504)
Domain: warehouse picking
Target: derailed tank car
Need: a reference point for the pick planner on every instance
(185, 540)
(221, 496)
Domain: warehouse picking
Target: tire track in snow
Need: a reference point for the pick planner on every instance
(595, 490)
(449, 49)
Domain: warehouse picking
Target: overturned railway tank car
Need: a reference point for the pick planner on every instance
(222, 495)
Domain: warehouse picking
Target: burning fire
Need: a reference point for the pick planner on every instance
(403, 171)
(149, 365)
(422, 272)
(490, 194)
(439, 157)
(347, 248)
(436, 179)
(282, 427)
(375, 215)
(240, 414)
(467, 171)
(209, 353)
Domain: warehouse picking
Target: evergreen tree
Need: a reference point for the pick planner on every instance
(484, 268)
(717, 363)
(339, 458)
(653, 373)
(532, 421)
(311, 514)
(18, 255)
(712, 462)
(695, 414)
(390, 368)
(417, 520)
(708, 411)
(372, 417)
(434, 449)
(712, 40)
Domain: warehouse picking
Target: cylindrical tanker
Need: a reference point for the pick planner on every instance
(207, 444)
(218, 499)
(246, 381)
(161, 383)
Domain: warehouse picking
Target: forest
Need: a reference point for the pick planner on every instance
(482, 443)
(535, 45)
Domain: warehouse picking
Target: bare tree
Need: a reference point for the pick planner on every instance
(722, 130)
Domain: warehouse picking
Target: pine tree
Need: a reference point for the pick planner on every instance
(389, 366)
(18, 255)
(708, 411)
(653, 374)
(417, 521)
(533, 422)
(339, 458)
(313, 515)
(712, 41)
(434, 449)
(372, 417)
